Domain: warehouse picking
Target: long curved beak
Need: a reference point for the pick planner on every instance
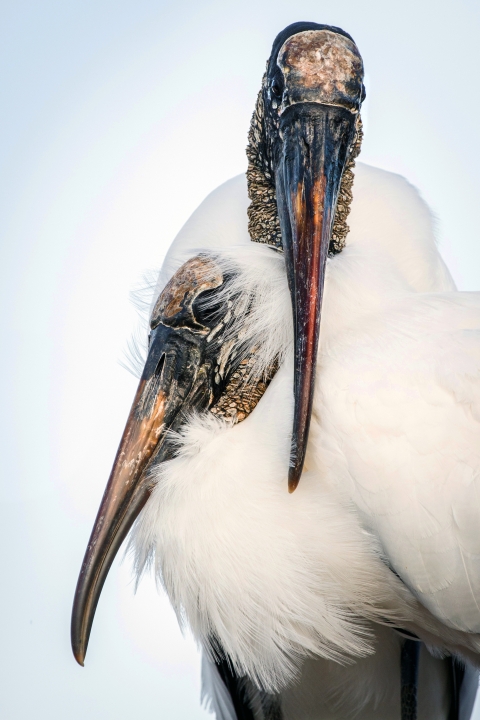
(316, 142)
(173, 382)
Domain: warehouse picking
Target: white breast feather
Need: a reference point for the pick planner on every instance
(391, 468)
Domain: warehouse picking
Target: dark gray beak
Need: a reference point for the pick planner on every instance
(176, 380)
(316, 142)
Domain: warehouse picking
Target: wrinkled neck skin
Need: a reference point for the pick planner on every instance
(263, 222)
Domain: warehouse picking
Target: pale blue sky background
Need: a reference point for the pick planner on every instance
(116, 119)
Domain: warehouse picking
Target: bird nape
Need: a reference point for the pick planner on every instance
(355, 595)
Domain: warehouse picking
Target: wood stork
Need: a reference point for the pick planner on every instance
(318, 603)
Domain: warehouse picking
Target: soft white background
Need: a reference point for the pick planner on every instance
(116, 118)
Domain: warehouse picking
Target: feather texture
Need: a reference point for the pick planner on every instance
(391, 467)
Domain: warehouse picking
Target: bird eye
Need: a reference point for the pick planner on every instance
(276, 88)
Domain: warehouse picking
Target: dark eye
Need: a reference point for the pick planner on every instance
(206, 310)
(276, 88)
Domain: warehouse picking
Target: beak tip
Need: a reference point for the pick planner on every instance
(293, 479)
(79, 652)
(79, 657)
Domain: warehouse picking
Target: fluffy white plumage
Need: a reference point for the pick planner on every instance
(392, 462)
(396, 427)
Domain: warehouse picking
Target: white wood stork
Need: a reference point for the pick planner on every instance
(318, 603)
